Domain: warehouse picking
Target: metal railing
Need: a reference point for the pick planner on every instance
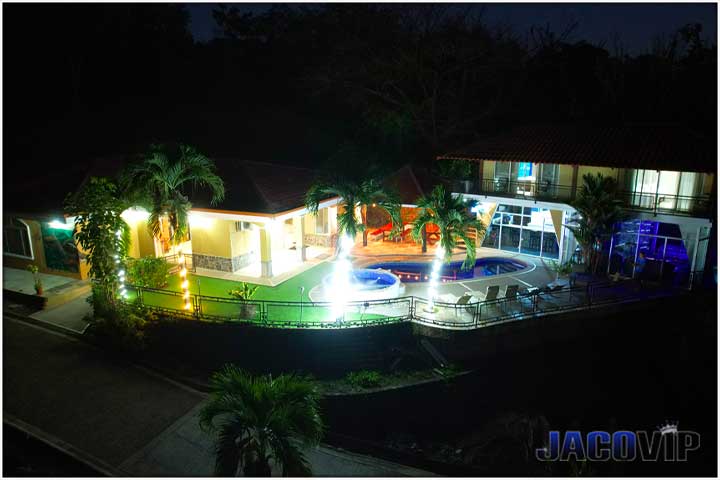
(646, 202)
(173, 261)
(320, 315)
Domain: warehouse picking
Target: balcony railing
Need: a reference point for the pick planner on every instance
(539, 191)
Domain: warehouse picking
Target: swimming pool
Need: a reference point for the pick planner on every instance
(420, 271)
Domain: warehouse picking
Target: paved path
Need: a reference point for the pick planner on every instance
(122, 417)
(69, 315)
(185, 450)
(23, 281)
(73, 392)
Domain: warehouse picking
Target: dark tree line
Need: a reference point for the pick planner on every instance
(301, 83)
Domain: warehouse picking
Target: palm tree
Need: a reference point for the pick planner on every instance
(161, 180)
(598, 210)
(262, 419)
(451, 215)
(354, 194)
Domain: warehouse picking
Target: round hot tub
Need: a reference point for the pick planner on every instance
(365, 284)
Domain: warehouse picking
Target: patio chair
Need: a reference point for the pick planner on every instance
(381, 231)
(511, 296)
(511, 291)
(489, 310)
(465, 299)
(490, 294)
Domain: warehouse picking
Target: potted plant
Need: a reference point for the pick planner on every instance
(244, 294)
(38, 282)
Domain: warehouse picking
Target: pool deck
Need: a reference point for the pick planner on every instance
(538, 274)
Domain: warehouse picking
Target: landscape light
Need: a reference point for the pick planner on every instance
(434, 276)
(341, 285)
(185, 285)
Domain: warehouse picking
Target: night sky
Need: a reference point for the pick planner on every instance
(634, 24)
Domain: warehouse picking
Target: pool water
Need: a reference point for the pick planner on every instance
(420, 271)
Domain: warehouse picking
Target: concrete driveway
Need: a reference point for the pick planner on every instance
(122, 418)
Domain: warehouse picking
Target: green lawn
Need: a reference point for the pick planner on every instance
(286, 291)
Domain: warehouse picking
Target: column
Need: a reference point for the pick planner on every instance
(299, 234)
(265, 251)
(573, 188)
(480, 188)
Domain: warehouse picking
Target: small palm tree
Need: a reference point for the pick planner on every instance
(354, 193)
(161, 181)
(262, 419)
(598, 210)
(451, 216)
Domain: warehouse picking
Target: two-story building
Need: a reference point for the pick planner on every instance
(527, 178)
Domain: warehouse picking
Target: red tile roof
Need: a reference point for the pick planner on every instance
(661, 147)
(259, 187)
(409, 183)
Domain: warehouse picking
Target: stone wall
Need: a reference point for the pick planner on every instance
(213, 263)
(241, 261)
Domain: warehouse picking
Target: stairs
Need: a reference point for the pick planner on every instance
(472, 233)
(66, 292)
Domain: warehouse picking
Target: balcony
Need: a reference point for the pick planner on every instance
(659, 203)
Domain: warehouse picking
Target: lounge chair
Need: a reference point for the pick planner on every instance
(382, 230)
(489, 308)
(511, 291)
(490, 294)
(511, 296)
(465, 299)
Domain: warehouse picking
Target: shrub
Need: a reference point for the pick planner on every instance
(364, 379)
(455, 169)
(121, 326)
(561, 268)
(148, 272)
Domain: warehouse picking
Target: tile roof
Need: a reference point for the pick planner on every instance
(410, 183)
(259, 187)
(662, 147)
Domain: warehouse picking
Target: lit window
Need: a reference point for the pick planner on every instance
(16, 239)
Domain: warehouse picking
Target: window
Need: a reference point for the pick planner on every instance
(528, 230)
(242, 226)
(321, 222)
(502, 176)
(16, 239)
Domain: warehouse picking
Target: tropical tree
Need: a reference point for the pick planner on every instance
(355, 194)
(451, 215)
(261, 419)
(161, 182)
(100, 231)
(598, 209)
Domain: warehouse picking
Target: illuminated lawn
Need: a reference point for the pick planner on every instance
(288, 291)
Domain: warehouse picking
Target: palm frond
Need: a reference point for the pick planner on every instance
(263, 418)
(228, 458)
(424, 218)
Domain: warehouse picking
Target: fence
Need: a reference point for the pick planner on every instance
(456, 316)
(189, 262)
